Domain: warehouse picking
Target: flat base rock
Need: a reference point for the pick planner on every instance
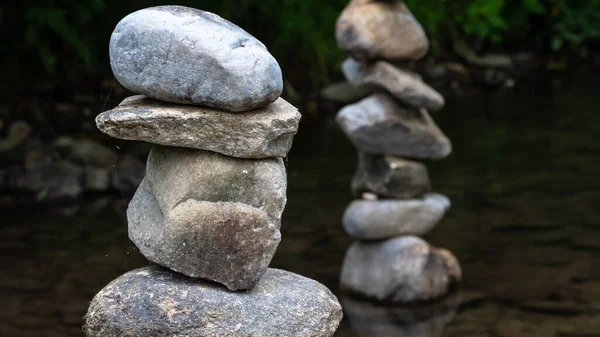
(401, 270)
(156, 302)
(380, 124)
(262, 133)
(383, 219)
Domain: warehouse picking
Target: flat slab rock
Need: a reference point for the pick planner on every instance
(188, 56)
(403, 84)
(155, 302)
(388, 218)
(379, 124)
(261, 133)
(390, 177)
(401, 270)
(209, 216)
(369, 29)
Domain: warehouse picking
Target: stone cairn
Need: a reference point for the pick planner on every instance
(390, 263)
(208, 211)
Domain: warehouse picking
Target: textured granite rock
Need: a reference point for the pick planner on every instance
(390, 177)
(383, 219)
(184, 55)
(261, 133)
(380, 30)
(155, 302)
(379, 124)
(404, 269)
(226, 242)
(405, 85)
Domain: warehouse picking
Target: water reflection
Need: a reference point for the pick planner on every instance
(367, 319)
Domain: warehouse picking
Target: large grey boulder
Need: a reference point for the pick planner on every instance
(226, 242)
(400, 270)
(379, 124)
(403, 84)
(390, 177)
(184, 55)
(261, 133)
(369, 29)
(154, 302)
(382, 219)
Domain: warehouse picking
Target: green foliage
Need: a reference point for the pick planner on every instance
(573, 22)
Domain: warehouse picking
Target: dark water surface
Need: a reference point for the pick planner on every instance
(524, 180)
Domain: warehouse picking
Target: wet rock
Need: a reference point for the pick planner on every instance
(390, 177)
(404, 85)
(226, 242)
(184, 55)
(380, 125)
(382, 219)
(128, 174)
(176, 175)
(86, 152)
(380, 29)
(51, 182)
(369, 319)
(96, 179)
(404, 269)
(262, 133)
(18, 132)
(153, 302)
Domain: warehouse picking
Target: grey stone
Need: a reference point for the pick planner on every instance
(51, 182)
(184, 55)
(403, 84)
(262, 133)
(380, 30)
(382, 219)
(86, 152)
(18, 132)
(344, 92)
(404, 269)
(380, 125)
(155, 302)
(178, 174)
(226, 242)
(390, 177)
(96, 178)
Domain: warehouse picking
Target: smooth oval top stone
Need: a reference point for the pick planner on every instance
(184, 55)
(156, 302)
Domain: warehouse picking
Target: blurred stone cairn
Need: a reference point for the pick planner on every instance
(390, 263)
(208, 212)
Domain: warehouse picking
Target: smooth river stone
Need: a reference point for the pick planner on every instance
(382, 219)
(390, 177)
(380, 30)
(262, 133)
(401, 270)
(184, 55)
(155, 302)
(379, 124)
(404, 85)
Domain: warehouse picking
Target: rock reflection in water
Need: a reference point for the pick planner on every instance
(368, 319)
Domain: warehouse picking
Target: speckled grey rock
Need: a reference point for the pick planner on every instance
(226, 242)
(404, 269)
(405, 85)
(390, 177)
(155, 302)
(261, 133)
(382, 219)
(184, 55)
(177, 174)
(378, 124)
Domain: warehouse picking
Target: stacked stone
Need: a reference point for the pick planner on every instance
(208, 212)
(391, 128)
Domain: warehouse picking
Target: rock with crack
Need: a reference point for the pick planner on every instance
(379, 124)
(400, 270)
(404, 85)
(188, 56)
(154, 302)
(383, 219)
(261, 133)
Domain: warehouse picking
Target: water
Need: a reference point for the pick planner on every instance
(525, 225)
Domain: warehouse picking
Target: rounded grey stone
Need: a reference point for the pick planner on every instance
(184, 55)
(155, 302)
